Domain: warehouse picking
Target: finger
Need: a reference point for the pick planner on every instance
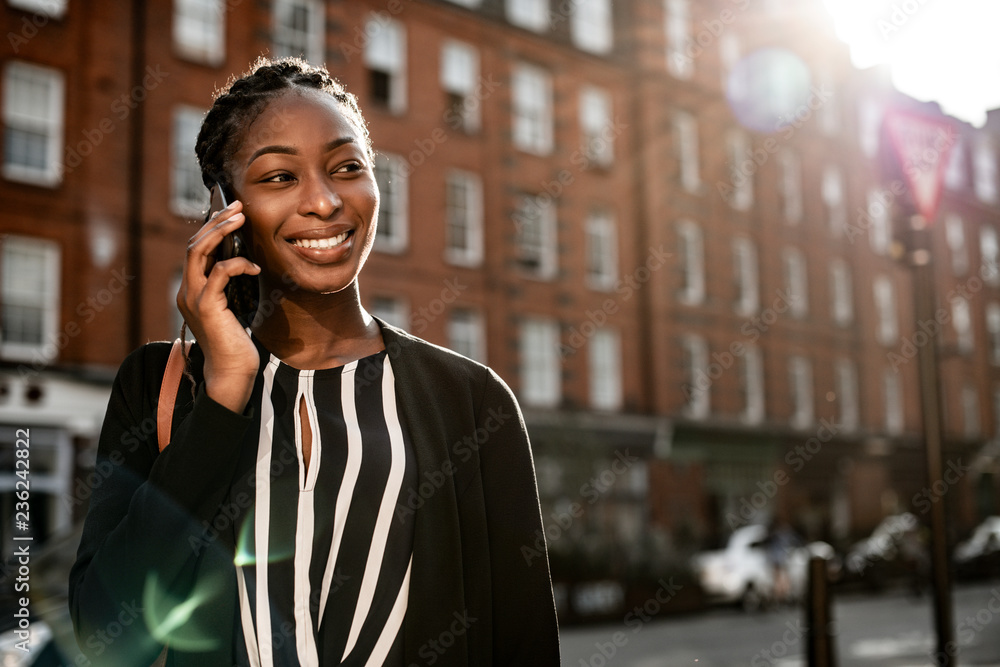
(223, 220)
(201, 253)
(217, 217)
(224, 271)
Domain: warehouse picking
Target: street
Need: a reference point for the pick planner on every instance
(893, 629)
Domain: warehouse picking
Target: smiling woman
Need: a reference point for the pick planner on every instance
(277, 527)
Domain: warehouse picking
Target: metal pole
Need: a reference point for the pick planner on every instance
(930, 403)
(818, 618)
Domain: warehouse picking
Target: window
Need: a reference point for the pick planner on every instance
(467, 3)
(993, 330)
(736, 87)
(605, 370)
(529, 14)
(535, 221)
(393, 216)
(740, 194)
(829, 114)
(464, 218)
(30, 298)
(796, 285)
(846, 378)
(698, 386)
(385, 58)
(893, 394)
(970, 411)
(745, 271)
(841, 289)
(33, 123)
(299, 29)
(540, 372)
(200, 30)
(869, 126)
(189, 198)
(879, 232)
(885, 307)
(53, 9)
(393, 311)
(466, 335)
(460, 79)
(989, 251)
(532, 117)
(691, 250)
(985, 168)
(753, 385)
(996, 412)
(596, 126)
(800, 383)
(833, 198)
(954, 228)
(602, 250)
(686, 150)
(961, 317)
(590, 25)
(955, 175)
(678, 34)
(791, 186)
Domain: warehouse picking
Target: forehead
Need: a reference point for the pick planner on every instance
(299, 117)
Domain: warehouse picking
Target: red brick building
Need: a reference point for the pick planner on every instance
(663, 222)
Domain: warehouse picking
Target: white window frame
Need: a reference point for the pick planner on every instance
(791, 186)
(954, 228)
(188, 196)
(541, 373)
(460, 80)
(753, 385)
(841, 292)
(887, 331)
(993, 331)
(602, 250)
(971, 426)
(48, 263)
(985, 171)
(691, 252)
(730, 52)
(796, 282)
(385, 51)
(829, 111)
(394, 198)
(869, 126)
(591, 26)
(532, 116)
(846, 377)
(833, 197)
(961, 319)
(747, 274)
(596, 125)
(686, 150)
(290, 41)
(677, 31)
(529, 14)
(989, 255)
(605, 360)
(892, 393)
(801, 390)
(880, 229)
(52, 9)
(535, 223)
(737, 145)
(955, 174)
(466, 333)
(48, 121)
(199, 30)
(699, 399)
(466, 3)
(468, 217)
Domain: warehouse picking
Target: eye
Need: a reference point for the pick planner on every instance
(349, 168)
(282, 177)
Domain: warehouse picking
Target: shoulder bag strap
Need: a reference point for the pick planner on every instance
(168, 392)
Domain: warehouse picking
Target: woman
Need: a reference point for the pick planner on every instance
(335, 491)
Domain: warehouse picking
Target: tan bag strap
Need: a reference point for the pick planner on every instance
(168, 392)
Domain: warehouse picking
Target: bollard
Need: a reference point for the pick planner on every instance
(818, 618)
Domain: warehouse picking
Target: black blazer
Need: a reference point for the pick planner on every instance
(162, 528)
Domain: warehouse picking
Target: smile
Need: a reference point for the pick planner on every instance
(320, 244)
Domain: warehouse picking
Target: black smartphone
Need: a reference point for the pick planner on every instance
(242, 290)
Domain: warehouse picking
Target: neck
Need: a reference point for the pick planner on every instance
(313, 331)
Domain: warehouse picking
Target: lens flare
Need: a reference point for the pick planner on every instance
(768, 89)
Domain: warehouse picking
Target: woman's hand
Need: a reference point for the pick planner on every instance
(231, 359)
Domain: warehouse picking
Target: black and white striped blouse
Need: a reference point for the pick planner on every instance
(324, 558)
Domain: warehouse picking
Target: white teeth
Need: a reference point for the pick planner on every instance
(321, 243)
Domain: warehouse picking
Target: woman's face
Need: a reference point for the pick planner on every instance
(308, 192)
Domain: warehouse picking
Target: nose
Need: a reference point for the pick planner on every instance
(320, 198)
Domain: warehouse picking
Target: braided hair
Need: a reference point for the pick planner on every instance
(236, 106)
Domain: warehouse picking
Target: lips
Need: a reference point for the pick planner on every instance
(320, 243)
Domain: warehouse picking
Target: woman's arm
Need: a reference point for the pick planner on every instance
(525, 629)
(141, 537)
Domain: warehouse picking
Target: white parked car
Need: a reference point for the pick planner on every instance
(985, 539)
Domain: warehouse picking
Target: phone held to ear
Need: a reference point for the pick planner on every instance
(241, 290)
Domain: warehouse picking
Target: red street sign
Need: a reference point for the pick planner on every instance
(922, 145)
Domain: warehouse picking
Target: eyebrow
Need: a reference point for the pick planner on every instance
(288, 150)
